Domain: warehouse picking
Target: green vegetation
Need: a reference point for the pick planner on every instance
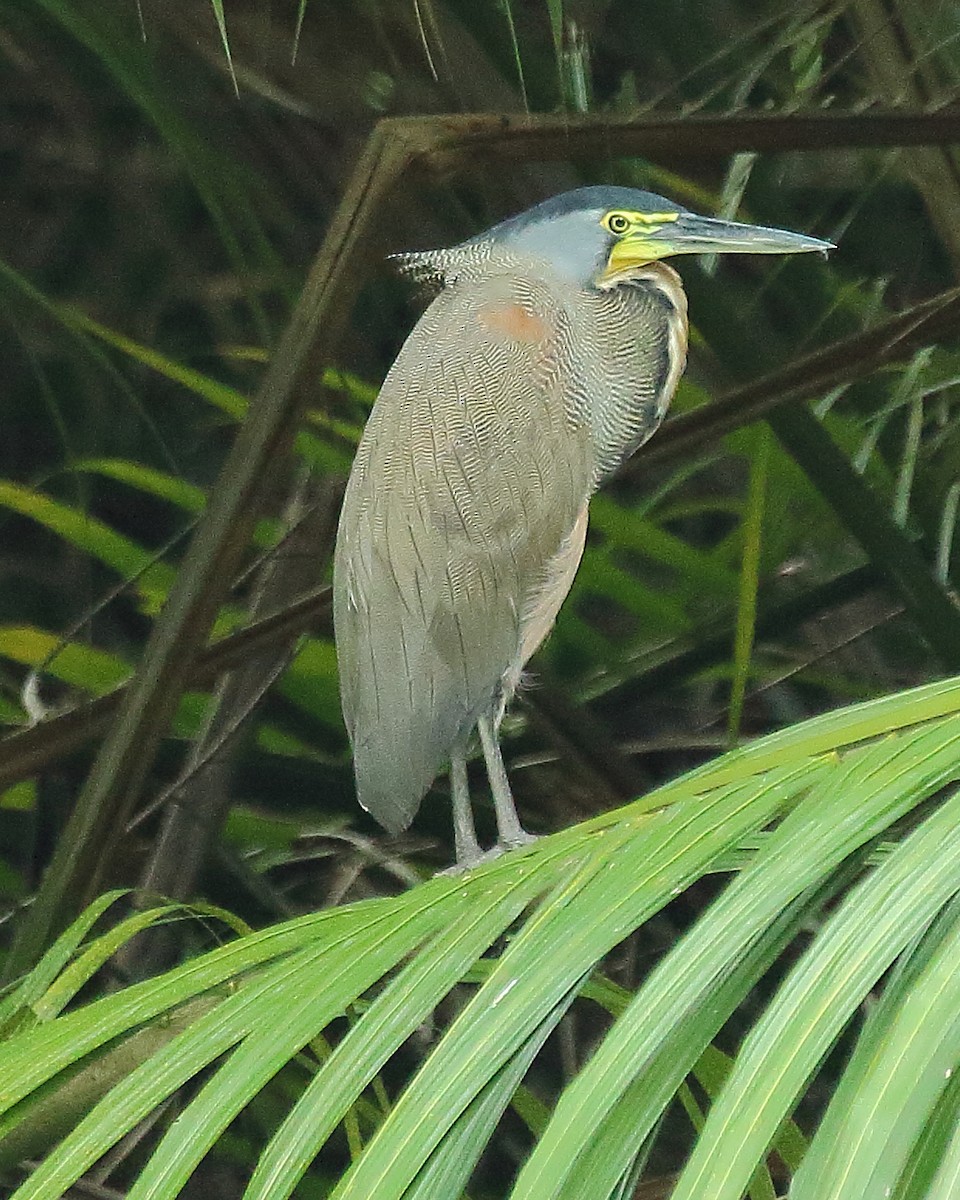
(731, 968)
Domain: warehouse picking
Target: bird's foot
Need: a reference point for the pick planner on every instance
(467, 863)
(516, 840)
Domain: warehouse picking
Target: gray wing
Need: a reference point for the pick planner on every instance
(469, 477)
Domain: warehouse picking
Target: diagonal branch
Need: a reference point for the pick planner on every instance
(892, 341)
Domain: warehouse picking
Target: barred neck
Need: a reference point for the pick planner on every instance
(629, 354)
(665, 281)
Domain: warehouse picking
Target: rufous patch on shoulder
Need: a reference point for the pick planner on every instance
(515, 322)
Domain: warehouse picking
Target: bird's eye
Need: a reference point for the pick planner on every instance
(617, 223)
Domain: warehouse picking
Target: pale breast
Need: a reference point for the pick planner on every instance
(544, 602)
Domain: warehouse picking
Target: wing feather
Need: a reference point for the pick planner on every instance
(469, 478)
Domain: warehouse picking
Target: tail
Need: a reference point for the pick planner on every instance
(394, 769)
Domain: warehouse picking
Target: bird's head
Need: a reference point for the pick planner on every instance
(600, 236)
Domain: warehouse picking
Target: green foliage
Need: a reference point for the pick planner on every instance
(391, 962)
(768, 937)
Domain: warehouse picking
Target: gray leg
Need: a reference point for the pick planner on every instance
(510, 830)
(464, 834)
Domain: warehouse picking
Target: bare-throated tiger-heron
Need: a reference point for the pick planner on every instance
(550, 352)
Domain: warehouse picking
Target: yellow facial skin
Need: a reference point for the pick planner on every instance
(633, 247)
(619, 222)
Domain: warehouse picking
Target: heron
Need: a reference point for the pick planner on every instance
(548, 354)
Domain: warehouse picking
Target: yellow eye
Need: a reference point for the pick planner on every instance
(617, 223)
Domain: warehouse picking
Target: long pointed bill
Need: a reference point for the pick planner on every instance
(693, 234)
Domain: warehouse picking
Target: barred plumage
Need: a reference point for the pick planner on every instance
(511, 399)
(549, 354)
